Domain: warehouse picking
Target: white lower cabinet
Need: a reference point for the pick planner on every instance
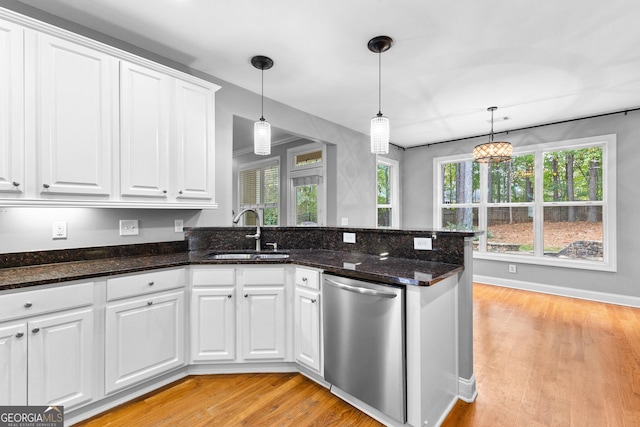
(238, 314)
(263, 323)
(213, 324)
(307, 333)
(47, 356)
(144, 334)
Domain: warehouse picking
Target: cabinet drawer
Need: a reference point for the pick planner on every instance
(263, 276)
(307, 278)
(31, 303)
(213, 276)
(145, 283)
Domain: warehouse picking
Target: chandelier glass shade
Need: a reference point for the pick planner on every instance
(492, 151)
(262, 128)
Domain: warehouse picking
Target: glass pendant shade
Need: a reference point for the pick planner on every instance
(379, 134)
(493, 152)
(262, 137)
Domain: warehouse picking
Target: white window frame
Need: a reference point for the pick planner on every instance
(260, 164)
(609, 185)
(300, 171)
(395, 191)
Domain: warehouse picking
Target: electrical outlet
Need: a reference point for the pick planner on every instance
(129, 227)
(349, 237)
(59, 230)
(344, 221)
(513, 269)
(178, 225)
(422, 243)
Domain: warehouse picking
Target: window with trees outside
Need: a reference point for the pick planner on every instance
(306, 173)
(387, 203)
(551, 204)
(260, 189)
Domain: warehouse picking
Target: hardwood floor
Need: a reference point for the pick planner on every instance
(543, 360)
(260, 400)
(540, 360)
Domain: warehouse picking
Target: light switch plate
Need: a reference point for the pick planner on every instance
(178, 225)
(129, 227)
(349, 237)
(422, 243)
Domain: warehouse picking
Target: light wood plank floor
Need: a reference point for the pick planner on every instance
(540, 360)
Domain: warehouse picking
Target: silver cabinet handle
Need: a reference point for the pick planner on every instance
(359, 290)
(180, 192)
(46, 185)
(151, 283)
(149, 302)
(15, 184)
(35, 330)
(229, 296)
(246, 295)
(313, 301)
(19, 335)
(304, 279)
(164, 191)
(28, 305)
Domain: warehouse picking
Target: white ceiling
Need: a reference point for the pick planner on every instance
(538, 61)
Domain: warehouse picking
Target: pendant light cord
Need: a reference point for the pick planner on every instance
(491, 140)
(379, 83)
(262, 94)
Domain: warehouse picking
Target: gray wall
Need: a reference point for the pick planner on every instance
(418, 202)
(354, 184)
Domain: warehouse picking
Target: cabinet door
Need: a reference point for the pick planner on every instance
(194, 121)
(263, 328)
(307, 328)
(213, 329)
(144, 338)
(61, 359)
(144, 144)
(74, 117)
(11, 109)
(13, 364)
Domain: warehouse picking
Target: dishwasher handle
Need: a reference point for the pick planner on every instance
(359, 290)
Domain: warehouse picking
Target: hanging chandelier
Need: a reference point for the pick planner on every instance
(379, 123)
(262, 128)
(492, 151)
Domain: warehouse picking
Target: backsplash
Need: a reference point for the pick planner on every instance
(448, 246)
(24, 259)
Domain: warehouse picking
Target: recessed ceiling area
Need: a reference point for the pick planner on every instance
(539, 62)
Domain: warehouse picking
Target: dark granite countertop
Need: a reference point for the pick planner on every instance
(389, 270)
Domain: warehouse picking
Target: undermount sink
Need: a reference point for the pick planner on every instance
(248, 256)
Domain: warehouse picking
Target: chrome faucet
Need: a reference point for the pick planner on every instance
(251, 236)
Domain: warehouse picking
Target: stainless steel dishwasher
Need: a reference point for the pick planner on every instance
(364, 342)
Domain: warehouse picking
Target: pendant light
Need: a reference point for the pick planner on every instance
(379, 123)
(492, 151)
(262, 128)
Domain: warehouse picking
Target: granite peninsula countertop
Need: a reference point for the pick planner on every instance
(388, 270)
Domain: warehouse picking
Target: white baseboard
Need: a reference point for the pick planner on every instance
(605, 297)
(467, 391)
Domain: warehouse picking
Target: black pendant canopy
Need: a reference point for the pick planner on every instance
(380, 44)
(262, 62)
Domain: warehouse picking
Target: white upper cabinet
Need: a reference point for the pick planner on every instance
(194, 137)
(11, 110)
(86, 124)
(144, 129)
(74, 89)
